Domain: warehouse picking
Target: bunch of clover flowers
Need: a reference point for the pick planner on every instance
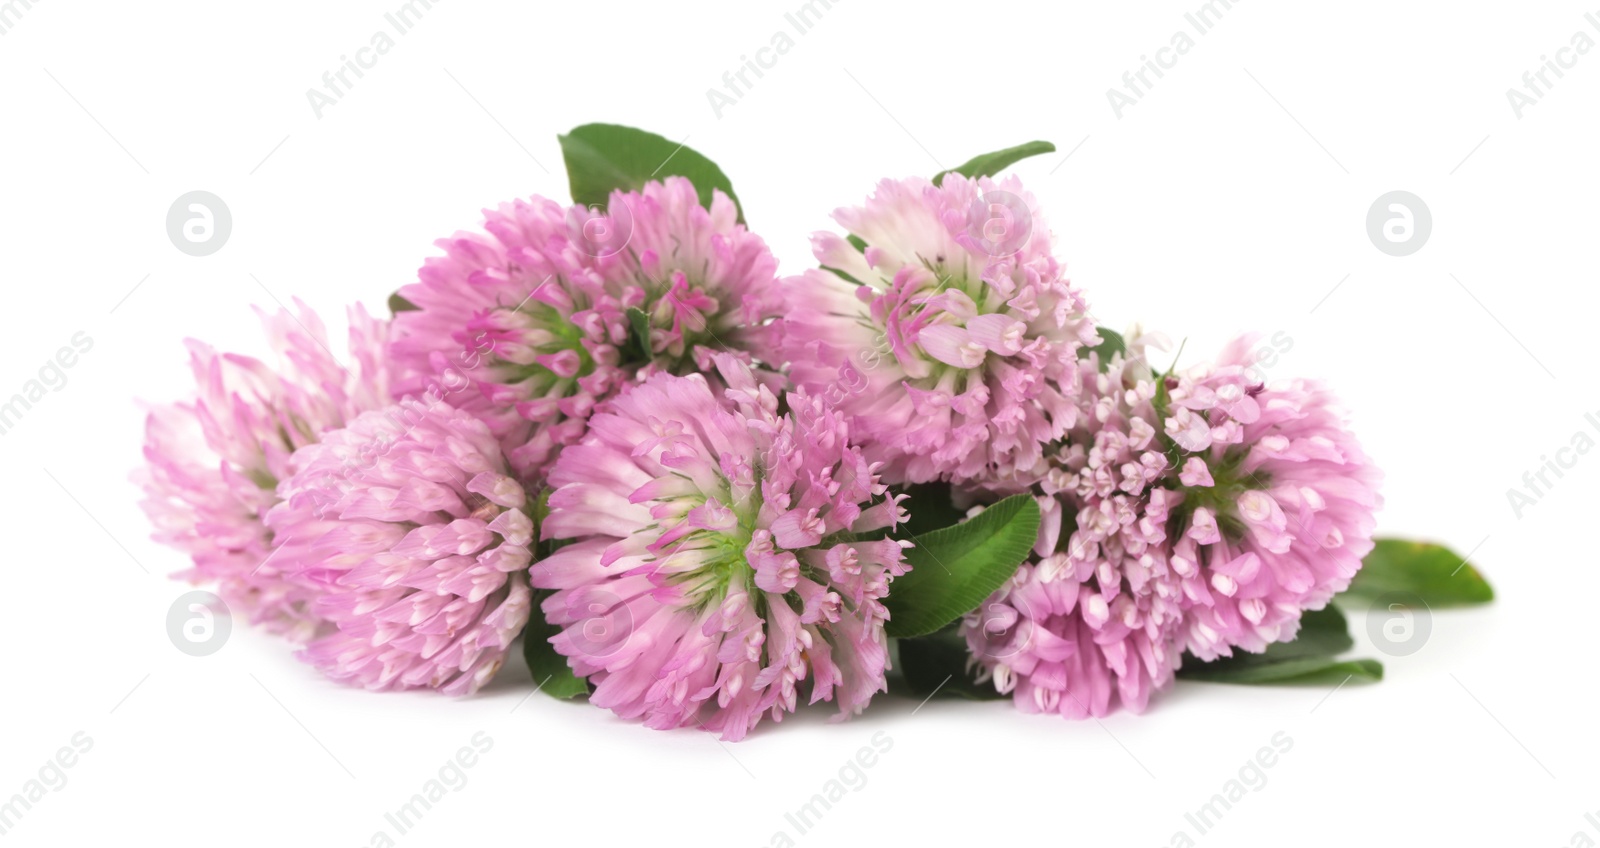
(613, 413)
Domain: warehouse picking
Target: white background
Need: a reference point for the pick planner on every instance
(1232, 197)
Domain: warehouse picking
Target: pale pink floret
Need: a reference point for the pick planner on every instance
(708, 580)
(214, 461)
(415, 540)
(950, 339)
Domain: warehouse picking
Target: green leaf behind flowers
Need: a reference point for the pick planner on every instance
(1310, 658)
(549, 668)
(937, 664)
(1305, 670)
(398, 304)
(989, 164)
(1433, 573)
(602, 158)
(640, 324)
(931, 506)
(955, 568)
(1110, 345)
